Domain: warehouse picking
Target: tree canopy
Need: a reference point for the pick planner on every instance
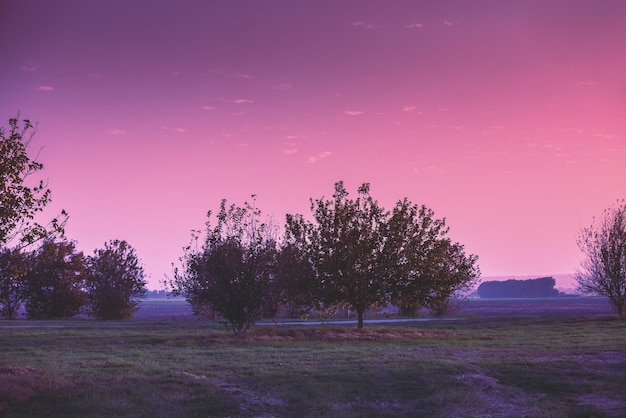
(542, 287)
(21, 201)
(366, 256)
(115, 281)
(232, 271)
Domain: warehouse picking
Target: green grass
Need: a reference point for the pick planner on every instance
(548, 367)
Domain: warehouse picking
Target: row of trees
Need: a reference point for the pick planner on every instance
(354, 253)
(57, 281)
(542, 287)
(40, 269)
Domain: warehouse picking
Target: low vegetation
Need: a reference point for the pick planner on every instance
(567, 366)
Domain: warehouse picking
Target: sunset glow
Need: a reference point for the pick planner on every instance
(506, 118)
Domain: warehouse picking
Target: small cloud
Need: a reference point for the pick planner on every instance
(409, 108)
(360, 23)
(44, 88)
(316, 158)
(176, 73)
(414, 26)
(242, 101)
(242, 76)
(177, 130)
(30, 67)
(588, 83)
(449, 23)
(290, 151)
(608, 136)
(295, 137)
(243, 145)
(353, 112)
(208, 108)
(284, 86)
(94, 75)
(116, 131)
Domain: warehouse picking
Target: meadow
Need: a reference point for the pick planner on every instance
(555, 365)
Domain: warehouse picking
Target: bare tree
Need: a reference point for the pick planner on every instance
(603, 271)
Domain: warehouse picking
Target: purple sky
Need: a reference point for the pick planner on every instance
(507, 118)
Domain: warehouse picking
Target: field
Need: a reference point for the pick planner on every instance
(565, 359)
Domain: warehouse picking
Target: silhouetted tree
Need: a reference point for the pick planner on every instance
(115, 281)
(13, 269)
(365, 256)
(19, 201)
(233, 269)
(603, 271)
(55, 281)
(542, 287)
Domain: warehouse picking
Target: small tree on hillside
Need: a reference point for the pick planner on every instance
(13, 269)
(603, 271)
(115, 281)
(55, 281)
(233, 269)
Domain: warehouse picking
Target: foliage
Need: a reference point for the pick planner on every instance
(365, 256)
(19, 202)
(115, 281)
(542, 287)
(13, 269)
(55, 281)
(234, 269)
(603, 271)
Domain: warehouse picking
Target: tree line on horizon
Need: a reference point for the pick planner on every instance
(352, 253)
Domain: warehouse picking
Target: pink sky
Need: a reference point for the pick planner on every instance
(506, 118)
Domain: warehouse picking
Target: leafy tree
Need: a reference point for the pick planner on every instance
(233, 269)
(19, 201)
(365, 256)
(55, 281)
(13, 269)
(295, 279)
(115, 281)
(603, 270)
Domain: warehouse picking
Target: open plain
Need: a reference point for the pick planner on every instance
(567, 359)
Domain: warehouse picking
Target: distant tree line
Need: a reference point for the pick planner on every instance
(542, 287)
(354, 253)
(40, 269)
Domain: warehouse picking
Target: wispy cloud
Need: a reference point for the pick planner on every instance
(290, 151)
(588, 83)
(44, 88)
(449, 23)
(409, 108)
(116, 131)
(318, 157)
(362, 24)
(284, 86)
(292, 137)
(414, 26)
(30, 67)
(208, 108)
(608, 136)
(177, 130)
(242, 76)
(243, 101)
(353, 112)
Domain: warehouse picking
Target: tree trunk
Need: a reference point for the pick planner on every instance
(359, 313)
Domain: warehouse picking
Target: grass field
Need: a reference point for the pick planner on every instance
(523, 366)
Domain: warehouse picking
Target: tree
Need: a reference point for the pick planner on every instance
(542, 287)
(19, 201)
(603, 270)
(55, 281)
(115, 281)
(13, 269)
(365, 256)
(233, 269)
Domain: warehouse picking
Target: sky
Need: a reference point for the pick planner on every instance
(506, 118)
